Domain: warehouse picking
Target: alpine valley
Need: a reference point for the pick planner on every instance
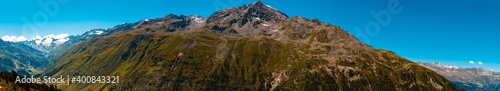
(251, 47)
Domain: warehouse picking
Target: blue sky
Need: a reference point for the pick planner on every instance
(447, 31)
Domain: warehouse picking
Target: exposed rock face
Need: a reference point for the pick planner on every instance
(248, 19)
(471, 79)
(253, 47)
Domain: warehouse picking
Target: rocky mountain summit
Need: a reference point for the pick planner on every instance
(248, 19)
(471, 79)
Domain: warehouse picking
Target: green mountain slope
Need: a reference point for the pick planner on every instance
(238, 51)
(214, 61)
(20, 57)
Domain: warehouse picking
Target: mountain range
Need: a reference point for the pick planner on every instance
(47, 43)
(47, 47)
(252, 47)
(470, 79)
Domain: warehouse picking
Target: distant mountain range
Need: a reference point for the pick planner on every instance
(28, 56)
(252, 47)
(50, 43)
(47, 43)
(470, 79)
(41, 50)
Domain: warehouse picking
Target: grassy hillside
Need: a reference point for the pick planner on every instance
(205, 60)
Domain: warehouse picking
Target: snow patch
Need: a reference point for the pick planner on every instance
(271, 7)
(14, 38)
(453, 67)
(265, 25)
(51, 39)
(275, 30)
(97, 32)
(38, 39)
(47, 42)
(197, 19)
(61, 36)
(446, 66)
(257, 18)
(61, 41)
(38, 42)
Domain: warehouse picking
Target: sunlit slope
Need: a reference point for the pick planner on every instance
(205, 60)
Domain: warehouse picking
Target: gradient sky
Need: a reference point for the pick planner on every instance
(447, 31)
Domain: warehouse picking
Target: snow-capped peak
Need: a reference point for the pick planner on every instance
(14, 38)
(260, 3)
(197, 18)
(51, 39)
(46, 40)
(446, 66)
(147, 19)
(38, 42)
(97, 32)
